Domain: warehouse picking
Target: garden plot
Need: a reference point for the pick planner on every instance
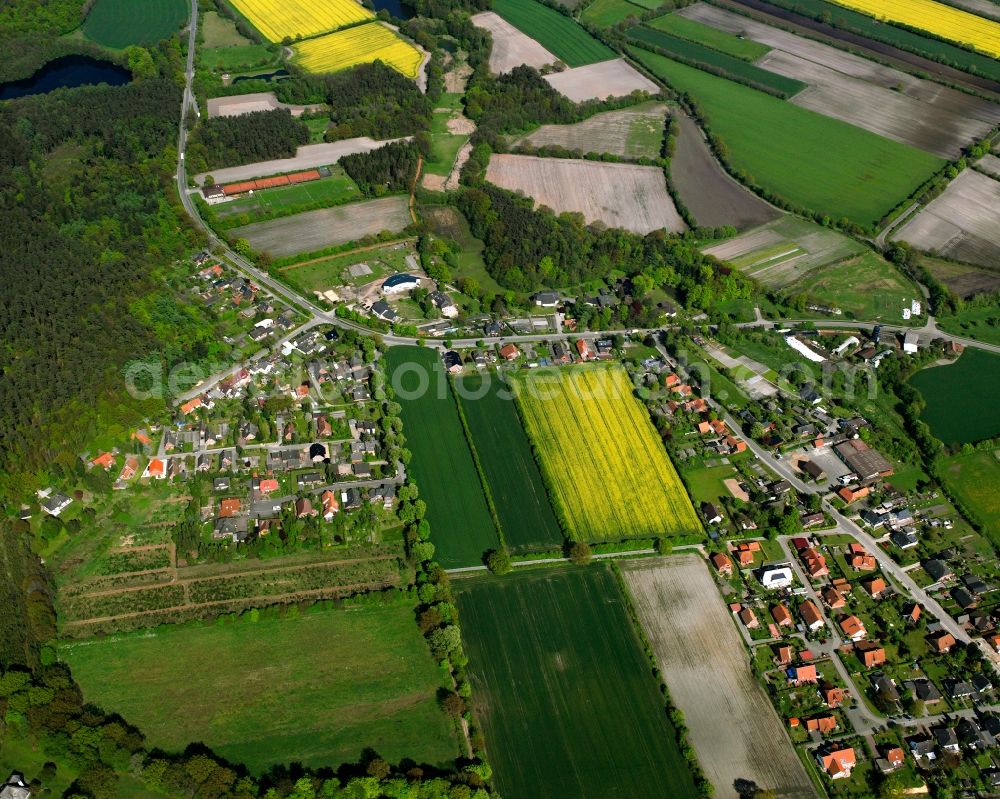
(734, 729)
(850, 88)
(962, 223)
(784, 250)
(600, 81)
(635, 132)
(316, 230)
(308, 156)
(962, 280)
(511, 48)
(712, 196)
(619, 195)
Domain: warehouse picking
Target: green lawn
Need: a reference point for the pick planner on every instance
(866, 287)
(442, 466)
(556, 32)
(974, 479)
(605, 13)
(288, 200)
(716, 61)
(445, 145)
(811, 160)
(316, 689)
(522, 504)
(978, 322)
(695, 31)
(119, 23)
(564, 692)
(961, 397)
(705, 483)
(237, 59)
(330, 272)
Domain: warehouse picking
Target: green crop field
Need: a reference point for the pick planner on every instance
(715, 61)
(605, 13)
(847, 19)
(522, 505)
(316, 689)
(288, 200)
(604, 462)
(961, 397)
(564, 691)
(557, 33)
(442, 466)
(974, 479)
(811, 160)
(119, 23)
(695, 31)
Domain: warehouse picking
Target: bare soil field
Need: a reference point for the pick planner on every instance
(308, 156)
(316, 230)
(875, 97)
(615, 78)
(619, 195)
(248, 103)
(631, 132)
(708, 674)
(962, 223)
(991, 164)
(985, 8)
(511, 48)
(961, 279)
(710, 194)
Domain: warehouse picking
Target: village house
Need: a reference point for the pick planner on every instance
(811, 616)
(776, 576)
(821, 724)
(15, 787)
(941, 642)
(853, 628)
(330, 504)
(832, 695)
(304, 508)
(802, 675)
(875, 587)
(781, 616)
(723, 565)
(509, 352)
(870, 654)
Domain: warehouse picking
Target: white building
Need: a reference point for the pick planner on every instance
(777, 576)
(399, 284)
(911, 342)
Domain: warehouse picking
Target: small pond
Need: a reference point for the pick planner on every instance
(67, 72)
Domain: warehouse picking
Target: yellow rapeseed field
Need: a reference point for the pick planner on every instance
(937, 18)
(277, 19)
(359, 45)
(602, 456)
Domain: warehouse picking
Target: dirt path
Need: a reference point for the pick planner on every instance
(366, 248)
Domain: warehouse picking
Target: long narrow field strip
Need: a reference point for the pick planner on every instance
(567, 700)
(361, 44)
(522, 504)
(603, 459)
(316, 689)
(120, 23)
(939, 19)
(316, 230)
(277, 19)
(289, 200)
(706, 58)
(556, 32)
(695, 31)
(813, 161)
(732, 725)
(442, 466)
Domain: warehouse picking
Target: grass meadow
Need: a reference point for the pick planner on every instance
(961, 397)
(973, 478)
(716, 61)
(120, 23)
(809, 159)
(605, 13)
(315, 689)
(504, 451)
(442, 466)
(288, 200)
(695, 31)
(606, 467)
(564, 690)
(556, 32)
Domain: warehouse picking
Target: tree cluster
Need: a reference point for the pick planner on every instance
(260, 136)
(383, 171)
